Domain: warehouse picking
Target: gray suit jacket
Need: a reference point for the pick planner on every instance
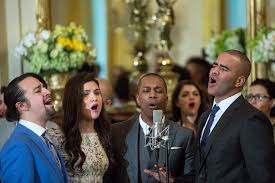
(124, 138)
(239, 149)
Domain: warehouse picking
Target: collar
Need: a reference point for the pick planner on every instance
(145, 127)
(224, 104)
(39, 130)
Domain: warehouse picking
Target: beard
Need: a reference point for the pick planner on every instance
(50, 111)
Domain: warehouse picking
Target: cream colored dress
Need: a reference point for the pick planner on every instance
(96, 163)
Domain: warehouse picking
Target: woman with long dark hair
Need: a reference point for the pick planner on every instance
(84, 137)
(188, 103)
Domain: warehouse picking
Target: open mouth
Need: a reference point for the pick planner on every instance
(212, 81)
(94, 107)
(191, 104)
(47, 101)
(152, 106)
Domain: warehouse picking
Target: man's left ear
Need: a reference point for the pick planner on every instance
(240, 81)
(273, 103)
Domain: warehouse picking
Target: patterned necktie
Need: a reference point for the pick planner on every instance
(206, 132)
(52, 148)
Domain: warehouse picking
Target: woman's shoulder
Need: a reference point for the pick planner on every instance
(56, 134)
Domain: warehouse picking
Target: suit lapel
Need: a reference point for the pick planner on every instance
(222, 123)
(41, 147)
(131, 151)
(172, 134)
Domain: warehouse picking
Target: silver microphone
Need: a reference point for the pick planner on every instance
(157, 124)
(159, 133)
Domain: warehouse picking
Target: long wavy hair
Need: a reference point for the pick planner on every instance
(176, 111)
(72, 107)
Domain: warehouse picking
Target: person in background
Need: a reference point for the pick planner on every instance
(6, 127)
(261, 94)
(83, 138)
(235, 140)
(3, 107)
(199, 69)
(187, 104)
(106, 92)
(137, 161)
(28, 155)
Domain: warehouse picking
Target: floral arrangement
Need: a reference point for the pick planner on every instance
(262, 46)
(64, 49)
(226, 40)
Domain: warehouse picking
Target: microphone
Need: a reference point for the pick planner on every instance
(157, 124)
(159, 133)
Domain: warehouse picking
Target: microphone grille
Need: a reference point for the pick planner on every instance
(157, 115)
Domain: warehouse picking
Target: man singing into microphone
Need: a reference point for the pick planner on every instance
(137, 162)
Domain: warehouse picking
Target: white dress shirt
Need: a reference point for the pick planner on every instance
(145, 127)
(224, 104)
(38, 130)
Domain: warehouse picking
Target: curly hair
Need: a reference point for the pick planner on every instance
(72, 107)
(176, 112)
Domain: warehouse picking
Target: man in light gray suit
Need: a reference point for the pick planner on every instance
(137, 161)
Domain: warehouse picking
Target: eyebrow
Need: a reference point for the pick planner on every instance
(221, 65)
(37, 87)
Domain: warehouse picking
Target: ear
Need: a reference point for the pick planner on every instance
(240, 81)
(137, 100)
(109, 102)
(21, 106)
(273, 103)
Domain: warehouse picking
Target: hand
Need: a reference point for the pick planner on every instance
(160, 175)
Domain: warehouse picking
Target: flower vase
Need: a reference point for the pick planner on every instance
(56, 83)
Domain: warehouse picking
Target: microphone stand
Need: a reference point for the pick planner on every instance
(167, 160)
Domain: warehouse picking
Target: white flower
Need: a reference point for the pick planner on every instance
(29, 40)
(45, 34)
(20, 50)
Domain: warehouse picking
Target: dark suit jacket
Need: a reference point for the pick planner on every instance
(239, 149)
(26, 158)
(125, 144)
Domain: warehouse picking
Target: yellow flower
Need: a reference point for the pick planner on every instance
(78, 45)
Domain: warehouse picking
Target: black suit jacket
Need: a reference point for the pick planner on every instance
(124, 137)
(239, 149)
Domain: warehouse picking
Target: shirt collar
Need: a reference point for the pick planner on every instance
(224, 104)
(39, 130)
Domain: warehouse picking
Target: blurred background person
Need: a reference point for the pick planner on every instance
(106, 92)
(6, 127)
(261, 94)
(199, 69)
(2, 104)
(188, 103)
(84, 137)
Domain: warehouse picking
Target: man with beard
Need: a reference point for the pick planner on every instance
(235, 140)
(138, 162)
(28, 155)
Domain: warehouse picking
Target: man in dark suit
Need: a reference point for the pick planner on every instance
(129, 144)
(235, 140)
(28, 156)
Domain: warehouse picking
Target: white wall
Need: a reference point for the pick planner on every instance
(19, 19)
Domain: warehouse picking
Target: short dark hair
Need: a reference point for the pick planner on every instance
(14, 94)
(151, 74)
(270, 88)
